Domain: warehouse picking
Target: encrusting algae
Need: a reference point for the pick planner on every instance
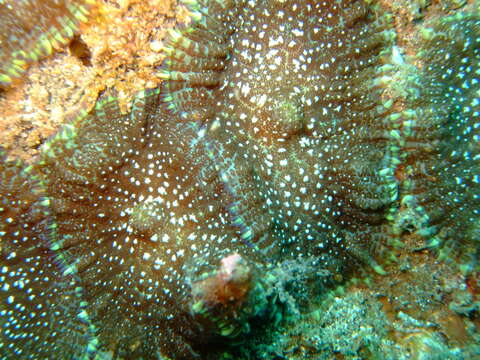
(32, 29)
(280, 135)
(118, 48)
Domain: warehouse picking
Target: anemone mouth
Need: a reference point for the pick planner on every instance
(219, 298)
(228, 285)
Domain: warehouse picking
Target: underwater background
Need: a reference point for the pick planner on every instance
(263, 179)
